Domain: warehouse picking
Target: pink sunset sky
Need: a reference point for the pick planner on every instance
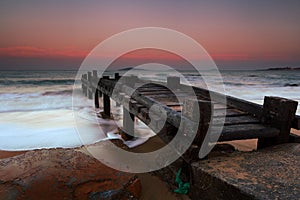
(237, 34)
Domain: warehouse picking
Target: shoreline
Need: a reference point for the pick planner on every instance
(153, 144)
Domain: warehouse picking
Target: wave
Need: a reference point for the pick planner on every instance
(237, 84)
(61, 92)
(42, 82)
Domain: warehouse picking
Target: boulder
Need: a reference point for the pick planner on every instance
(63, 174)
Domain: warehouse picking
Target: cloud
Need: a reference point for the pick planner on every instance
(254, 57)
(228, 57)
(35, 52)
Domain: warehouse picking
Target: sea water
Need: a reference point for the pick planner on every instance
(37, 108)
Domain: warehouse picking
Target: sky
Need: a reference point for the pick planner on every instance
(238, 34)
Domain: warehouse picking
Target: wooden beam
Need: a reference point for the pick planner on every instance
(244, 131)
(228, 112)
(234, 120)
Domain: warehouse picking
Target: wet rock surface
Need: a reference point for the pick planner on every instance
(63, 174)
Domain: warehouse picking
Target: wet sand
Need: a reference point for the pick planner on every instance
(297, 132)
(8, 154)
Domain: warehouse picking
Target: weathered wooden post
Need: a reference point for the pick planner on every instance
(96, 98)
(96, 91)
(95, 80)
(117, 76)
(84, 84)
(173, 82)
(279, 113)
(199, 112)
(128, 119)
(95, 75)
(90, 81)
(106, 102)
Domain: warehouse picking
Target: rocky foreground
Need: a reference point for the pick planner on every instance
(63, 174)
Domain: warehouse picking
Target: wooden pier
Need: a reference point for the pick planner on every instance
(270, 123)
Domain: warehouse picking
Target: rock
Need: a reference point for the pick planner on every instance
(63, 174)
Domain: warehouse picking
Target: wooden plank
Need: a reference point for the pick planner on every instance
(176, 108)
(170, 104)
(142, 89)
(240, 104)
(157, 92)
(229, 112)
(245, 131)
(233, 120)
(219, 106)
(167, 100)
(168, 94)
(150, 86)
(244, 105)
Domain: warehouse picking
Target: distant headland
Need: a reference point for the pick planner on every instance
(281, 69)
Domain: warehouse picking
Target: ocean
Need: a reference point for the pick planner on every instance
(37, 107)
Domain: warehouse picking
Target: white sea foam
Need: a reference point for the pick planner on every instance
(39, 115)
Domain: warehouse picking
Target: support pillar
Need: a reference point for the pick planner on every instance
(84, 84)
(128, 120)
(96, 99)
(106, 105)
(117, 76)
(90, 90)
(199, 113)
